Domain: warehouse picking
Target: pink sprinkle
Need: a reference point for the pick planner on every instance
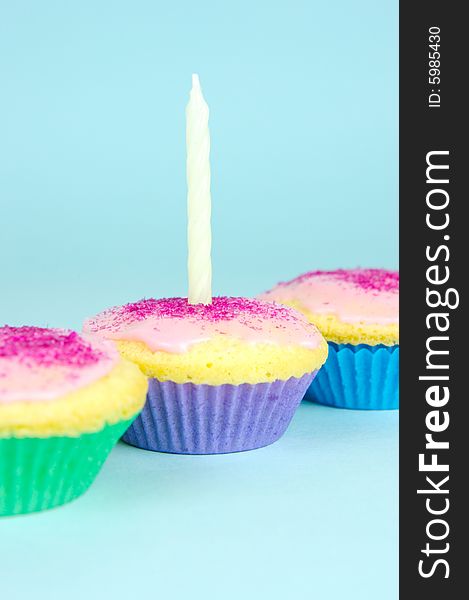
(379, 280)
(46, 347)
(222, 308)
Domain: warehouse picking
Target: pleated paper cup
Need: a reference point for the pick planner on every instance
(41, 473)
(358, 377)
(205, 419)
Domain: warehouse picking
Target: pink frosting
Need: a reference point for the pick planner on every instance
(368, 296)
(39, 364)
(174, 325)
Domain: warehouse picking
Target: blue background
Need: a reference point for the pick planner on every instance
(303, 98)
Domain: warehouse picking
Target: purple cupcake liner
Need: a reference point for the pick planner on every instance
(359, 377)
(193, 418)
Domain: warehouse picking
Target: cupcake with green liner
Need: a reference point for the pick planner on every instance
(65, 400)
(357, 311)
(224, 377)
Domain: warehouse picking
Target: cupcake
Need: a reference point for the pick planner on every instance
(65, 400)
(357, 311)
(224, 377)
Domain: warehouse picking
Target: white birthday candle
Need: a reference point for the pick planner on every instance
(199, 235)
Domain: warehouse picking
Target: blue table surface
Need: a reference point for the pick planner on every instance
(312, 516)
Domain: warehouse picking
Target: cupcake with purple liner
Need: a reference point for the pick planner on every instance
(357, 311)
(224, 377)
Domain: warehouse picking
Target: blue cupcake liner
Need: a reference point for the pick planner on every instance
(358, 377)
(193, 418)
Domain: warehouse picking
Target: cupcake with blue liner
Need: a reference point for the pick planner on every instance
(357, 311)
(223, 377)
(65, 400)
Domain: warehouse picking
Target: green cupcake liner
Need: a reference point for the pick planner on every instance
(40, 473)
